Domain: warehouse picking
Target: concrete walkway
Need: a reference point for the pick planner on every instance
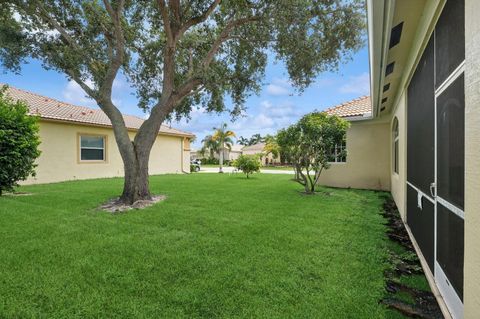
(230, 170)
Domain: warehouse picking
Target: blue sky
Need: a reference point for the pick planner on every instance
(277, 106)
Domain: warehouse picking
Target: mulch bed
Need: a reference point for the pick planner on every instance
(424, 302)
(115, 206)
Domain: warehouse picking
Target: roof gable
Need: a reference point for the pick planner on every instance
(360, 107)
(51, 109)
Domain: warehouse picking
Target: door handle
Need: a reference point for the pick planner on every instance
(432, 189)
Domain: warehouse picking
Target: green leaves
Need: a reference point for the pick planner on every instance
(19, 142)
(248, 164)
(308, 144)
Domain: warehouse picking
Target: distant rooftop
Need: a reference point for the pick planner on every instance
(360, 107)
(51, 109)
(254, 147)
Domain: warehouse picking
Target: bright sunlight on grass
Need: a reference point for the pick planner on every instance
(219, 246)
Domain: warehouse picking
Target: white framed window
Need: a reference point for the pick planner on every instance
(395, 150)
(338, 154)
(92, 148)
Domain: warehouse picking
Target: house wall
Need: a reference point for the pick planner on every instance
(398, 181)
(368, 158)
(186, 155)
(59, 160)
(263, 158)
(472, 160)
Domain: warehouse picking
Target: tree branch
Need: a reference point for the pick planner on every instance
(67, 39)
(224, 36)
(175, 7)
(117, 58)
(198, 19)
(166, 21)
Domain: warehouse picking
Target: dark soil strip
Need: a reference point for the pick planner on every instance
(424, 303)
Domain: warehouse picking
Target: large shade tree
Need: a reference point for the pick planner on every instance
(176, 54)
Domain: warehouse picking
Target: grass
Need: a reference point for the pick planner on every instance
(218, 246)
(276, 168)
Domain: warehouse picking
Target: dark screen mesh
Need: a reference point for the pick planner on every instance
(420, 125)
(449, 40)
(451, 143)
(421, 223)
(450, 249)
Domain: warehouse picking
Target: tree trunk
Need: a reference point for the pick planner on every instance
(136, 183)
(221, 160)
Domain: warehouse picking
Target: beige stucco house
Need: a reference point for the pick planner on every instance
(367, 164)
(78, 143)
(259, 149)
(228, 154)
(419, 136)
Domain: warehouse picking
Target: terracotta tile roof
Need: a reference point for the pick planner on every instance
(255, 147)
(360, 107)
(48, 108)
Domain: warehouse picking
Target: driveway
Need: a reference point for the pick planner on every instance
(229, 169)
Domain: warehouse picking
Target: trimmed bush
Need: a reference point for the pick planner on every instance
(19, 142)
(248, 164)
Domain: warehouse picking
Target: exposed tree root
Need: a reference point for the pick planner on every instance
(117, 206)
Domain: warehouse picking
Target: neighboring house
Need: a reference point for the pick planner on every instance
(419, 136)
(228, 154)
(78, 142)
(259, 149)
(233, 153)
(194, 155)
(367, 163)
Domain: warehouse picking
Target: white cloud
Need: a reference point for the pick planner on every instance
(356, 85)
(279, 87)
(74, 94)
(274, 89)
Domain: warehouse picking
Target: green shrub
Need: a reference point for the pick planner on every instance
(248, 164)
(210, 161)
(18, 143)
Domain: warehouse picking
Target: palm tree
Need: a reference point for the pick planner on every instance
(243, 141)
(255, 139)
(224, 138)
(271, 146)
(210, 145)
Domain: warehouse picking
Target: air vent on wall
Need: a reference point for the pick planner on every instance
(382, 109)
(384, 100)
(389, 68)
(386, 87)
(395, 35)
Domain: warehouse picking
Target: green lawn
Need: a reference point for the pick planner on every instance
(219, 246)
(278, 168)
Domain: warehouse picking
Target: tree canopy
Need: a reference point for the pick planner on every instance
(248, 164)
(309, 144)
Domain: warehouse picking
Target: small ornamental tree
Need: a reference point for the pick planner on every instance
(18, 143)
(248, 164)
(309, 144)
